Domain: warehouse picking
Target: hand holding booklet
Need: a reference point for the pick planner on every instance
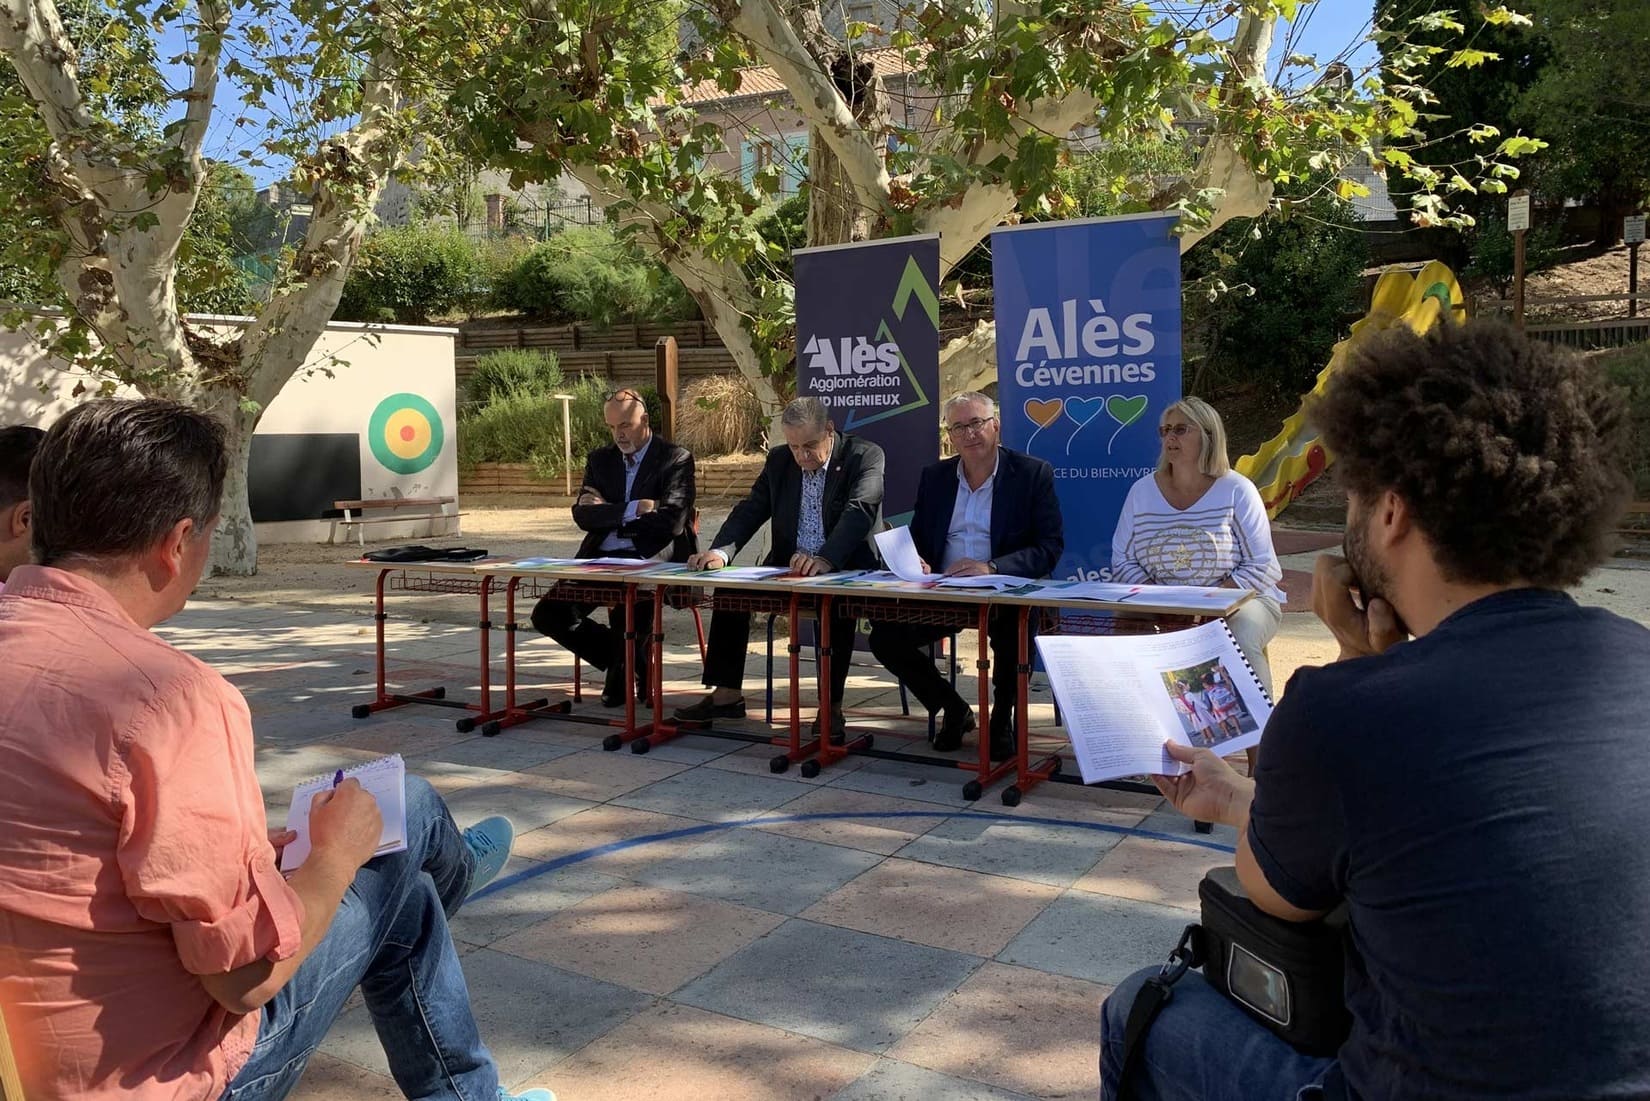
(1123, 696)
(384, 779)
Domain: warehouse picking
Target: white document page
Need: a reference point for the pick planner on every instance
(900, 553)
(1190, 597)
(1123, 696)
(751, 573)
(385, 779)
(994, 581)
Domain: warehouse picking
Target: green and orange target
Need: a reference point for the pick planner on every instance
(405, 433)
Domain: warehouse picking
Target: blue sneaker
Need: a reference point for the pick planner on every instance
(526, 1095)
(489, 842)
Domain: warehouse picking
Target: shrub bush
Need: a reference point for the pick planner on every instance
(513, 371)
(718, 415)
(590, 274)
(1629, 368)
(523, 427)
(1494, 248)
(512, 428)
(410, 274)
(1295, 285)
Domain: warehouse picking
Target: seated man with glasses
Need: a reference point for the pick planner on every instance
(821, 494)
(636, 501)
(986, 510)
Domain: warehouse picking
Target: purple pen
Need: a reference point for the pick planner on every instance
(338, 778)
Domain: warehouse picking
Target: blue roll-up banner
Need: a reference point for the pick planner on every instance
(868, 344)
(1088, 357)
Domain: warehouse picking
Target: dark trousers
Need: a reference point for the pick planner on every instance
(901, 648)
(730, 634)
(602, 645)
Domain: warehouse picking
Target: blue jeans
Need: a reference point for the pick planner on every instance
(1202, 1047)
(390, 938)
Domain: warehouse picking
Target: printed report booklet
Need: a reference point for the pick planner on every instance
(1122, 696)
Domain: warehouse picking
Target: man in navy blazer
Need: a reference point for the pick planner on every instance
(820, 495)
(987, 510)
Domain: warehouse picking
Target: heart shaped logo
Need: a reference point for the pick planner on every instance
(1083, 410)
(1125, 411)
(1043, 413)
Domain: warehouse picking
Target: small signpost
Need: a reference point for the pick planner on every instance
(1632, 233)
(665, 380)
(1518, 221)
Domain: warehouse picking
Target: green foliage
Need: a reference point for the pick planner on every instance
(1493, 251)
(1267, 300)
(118, 71)
(1121, 176)
(410, 274)
(583, 90)
(1629, 368)
(782, 230)
(1592, 102)
(512, 428)
(1466, 99)
(513, 371)
(209, 280)
(255, 228)
(591, 274)
(524, 427)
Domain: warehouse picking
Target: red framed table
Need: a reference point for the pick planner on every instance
(823, 598)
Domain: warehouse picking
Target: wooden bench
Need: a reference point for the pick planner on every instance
(429, 508)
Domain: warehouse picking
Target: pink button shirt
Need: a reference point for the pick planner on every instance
(134, 855)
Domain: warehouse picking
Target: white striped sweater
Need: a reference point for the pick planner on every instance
(1225, 534)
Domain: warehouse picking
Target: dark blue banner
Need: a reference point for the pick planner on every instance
(868, 344)
(1088, 357)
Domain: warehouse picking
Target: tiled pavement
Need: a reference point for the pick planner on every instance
(913, 946)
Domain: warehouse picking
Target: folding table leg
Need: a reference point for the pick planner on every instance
(382, 699)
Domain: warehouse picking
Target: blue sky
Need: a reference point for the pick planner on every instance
(1327, 29)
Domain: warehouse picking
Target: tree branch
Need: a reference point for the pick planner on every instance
(203, 83)
(723, 291)
(771, 34)
(1245, 193)
(964, 221)
(347, 175)
(33, 39)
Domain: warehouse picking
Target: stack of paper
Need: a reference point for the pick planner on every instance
(751, 573)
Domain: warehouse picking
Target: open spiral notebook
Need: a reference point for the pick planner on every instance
(1122, 696)
(385, 779)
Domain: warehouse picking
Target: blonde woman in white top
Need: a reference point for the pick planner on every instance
(1196, 521)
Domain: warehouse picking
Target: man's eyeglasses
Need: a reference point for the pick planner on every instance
(1175, 430)
(968, 428)
(624, 393)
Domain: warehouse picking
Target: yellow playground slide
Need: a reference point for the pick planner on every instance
(1292, 460)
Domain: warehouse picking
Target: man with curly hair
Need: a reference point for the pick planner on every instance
(1474, 794)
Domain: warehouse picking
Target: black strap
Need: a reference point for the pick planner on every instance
(1151, 999)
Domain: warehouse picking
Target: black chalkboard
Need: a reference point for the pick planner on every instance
(298, 476)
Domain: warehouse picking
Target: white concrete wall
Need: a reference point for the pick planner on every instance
(373, 363)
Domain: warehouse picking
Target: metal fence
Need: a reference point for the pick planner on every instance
(524, 219)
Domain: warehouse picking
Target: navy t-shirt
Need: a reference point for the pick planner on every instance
(1480, 798)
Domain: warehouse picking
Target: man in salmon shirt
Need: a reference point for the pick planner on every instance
(18, 443)
(149, 947)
